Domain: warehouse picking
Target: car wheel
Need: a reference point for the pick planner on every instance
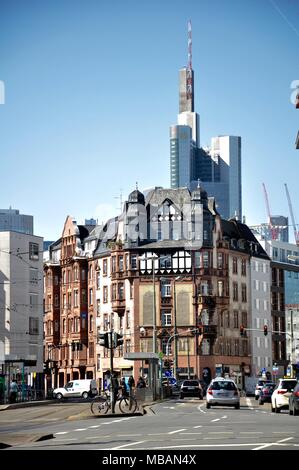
(277, 410)
(182, 397)
(237, 407)
(208, 406)
(272, 409)
(85, 395)
(59, 396)
(290, 410)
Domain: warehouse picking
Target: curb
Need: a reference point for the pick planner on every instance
(26, 404)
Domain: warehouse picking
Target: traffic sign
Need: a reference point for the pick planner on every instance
(172, 381)
(167, 373)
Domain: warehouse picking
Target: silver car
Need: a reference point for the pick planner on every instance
(223, 392)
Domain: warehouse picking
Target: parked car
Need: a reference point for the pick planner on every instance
(281, 393)
(223, 392)
(76, 388)
(266, 393)
(294, 401)
(259, 386)
(191, 388)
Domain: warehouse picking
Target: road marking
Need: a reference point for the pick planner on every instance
(283, 432)
(224, 417)
(214, 420)
(190, 433)
(178, 430)
(221, 432)
(251, 432)
(62, 432)
(199, 408)
(81, 429)
(127, 435)
(195, 427)
(273, 443)
(157, 434)
(98, 437)
(97, 426)
(125, 445)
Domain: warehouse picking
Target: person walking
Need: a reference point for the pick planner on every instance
(141, 383)
(124, 388)
(115, 387)
(13, 390)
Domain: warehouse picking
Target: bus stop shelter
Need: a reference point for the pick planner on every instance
(154, 388)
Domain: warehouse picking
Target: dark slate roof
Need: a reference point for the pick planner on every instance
(108, 232)
(234, 229)
(95, 233)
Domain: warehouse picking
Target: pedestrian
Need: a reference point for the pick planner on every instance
(13, 390)
(131, 383)
(123, 386)
(141, 382)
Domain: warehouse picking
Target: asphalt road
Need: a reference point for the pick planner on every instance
(173, 424)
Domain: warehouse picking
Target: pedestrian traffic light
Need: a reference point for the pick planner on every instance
(265, 330)
(118, 340)
(242, 330)
(102, 339)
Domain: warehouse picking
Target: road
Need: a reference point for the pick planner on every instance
(173, 424)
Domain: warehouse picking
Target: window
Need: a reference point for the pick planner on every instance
(220, 289)
(166, 318)
(64, 276)
(64, 326)
(91, 323)
(227, 320)
(243, 267)
(33, 251)
(33, 298)
(244, 319)
(91, 272)
(197, 259)
(121, 292)
(113, 292)
(76, 298)
(235, 265)
(91, 349)
(128, 346)
(236, 319)
(165, 262)
(235, 291)
(166, 288)
(84, 299)
(121, 263)
(131, 290)
(133, 261)
(56, 300)
(164, 346)
(90, 296)
(33, 273)
(220, 260)
(76, 273)
(105, 322)
(105, 267)
(98, 280)
(33, 326)
(205, 257)
(244, 293)
(69, 300)
(105, 294)
(113, 264)
(83, 275)
(98, 307)
(76, 324)
(56, 280)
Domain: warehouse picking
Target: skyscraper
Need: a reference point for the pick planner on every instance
(218, 167)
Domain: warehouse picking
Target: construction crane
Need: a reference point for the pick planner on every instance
(296, 232)
(273, 230)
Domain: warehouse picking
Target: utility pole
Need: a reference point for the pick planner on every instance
(175, 356)
(111, 371)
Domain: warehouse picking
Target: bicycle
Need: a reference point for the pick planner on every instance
(102, 404)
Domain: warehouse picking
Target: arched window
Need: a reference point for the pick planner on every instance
(64, 326)
(91, 323)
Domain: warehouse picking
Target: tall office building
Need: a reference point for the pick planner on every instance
(218, 167)
(12, 220)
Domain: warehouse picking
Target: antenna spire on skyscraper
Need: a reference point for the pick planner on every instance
(189, 45)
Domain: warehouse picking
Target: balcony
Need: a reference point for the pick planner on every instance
(209, 330)
(118, 275)
(119, 305)
(166, 301)
(207, 300)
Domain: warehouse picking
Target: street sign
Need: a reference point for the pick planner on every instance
(172, 381)
(167, 373)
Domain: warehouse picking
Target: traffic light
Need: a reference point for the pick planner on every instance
(103, 340)
(118, 340)
(242, 330)
(166, 364)
(265, 330)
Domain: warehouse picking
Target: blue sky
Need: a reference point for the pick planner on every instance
(91, 88)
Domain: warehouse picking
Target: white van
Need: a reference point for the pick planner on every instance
(76, 388)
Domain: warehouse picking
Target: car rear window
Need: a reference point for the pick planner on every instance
(288, 384)
(192, 383)
(223, 385)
